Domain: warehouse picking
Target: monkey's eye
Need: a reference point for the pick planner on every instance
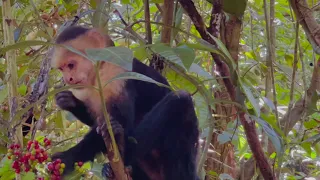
(70, 65)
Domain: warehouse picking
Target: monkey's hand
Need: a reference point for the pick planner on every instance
(66, 100)
(108, 172)
(117, 130)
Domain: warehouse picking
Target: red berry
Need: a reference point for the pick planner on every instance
(57, 166)
(18, 171)
(56, 172)
(53, 177)
(32, 158)
(38, 151)
(80, 163)
(50, 166)
(36, 146)
(11, 146)
(17, 146)
(58, 161)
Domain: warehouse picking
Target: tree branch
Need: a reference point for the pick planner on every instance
(308, 22)
(167, 20)
(248, 124)
(147, 18)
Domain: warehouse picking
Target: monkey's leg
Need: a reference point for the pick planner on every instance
(170, 128)
(67, 101)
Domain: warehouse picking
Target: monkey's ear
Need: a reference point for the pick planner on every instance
(98, 37)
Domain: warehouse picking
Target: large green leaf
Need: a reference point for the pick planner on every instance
(186, 54)
(121, 56)
(136, 76)
(168, 53)
(195, 68)
(273, 136)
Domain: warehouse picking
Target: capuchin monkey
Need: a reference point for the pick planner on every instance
(163, 123)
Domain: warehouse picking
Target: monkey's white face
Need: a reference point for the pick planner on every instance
(78, 71)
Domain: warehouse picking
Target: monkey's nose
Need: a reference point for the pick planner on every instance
(69, 80)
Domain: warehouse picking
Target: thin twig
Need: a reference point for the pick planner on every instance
(147, 24)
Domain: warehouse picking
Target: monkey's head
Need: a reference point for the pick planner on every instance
(75, 68)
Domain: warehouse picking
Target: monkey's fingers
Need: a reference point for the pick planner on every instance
(65, 100)
(117, 127)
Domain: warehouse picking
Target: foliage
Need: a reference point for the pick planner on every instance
(37, 23)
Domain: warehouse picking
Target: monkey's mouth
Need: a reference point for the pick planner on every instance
(78, 85)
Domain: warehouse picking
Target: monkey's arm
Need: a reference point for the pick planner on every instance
(67, 101)
(91, 144)
(85, 150)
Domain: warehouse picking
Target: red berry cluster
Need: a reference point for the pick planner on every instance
(56, 169)
(27, 161)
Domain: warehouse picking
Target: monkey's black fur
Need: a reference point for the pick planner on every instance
(157, 118)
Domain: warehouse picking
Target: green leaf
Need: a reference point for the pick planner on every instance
(28, 176)
(168, 53)
(310, 124)
(186, 54)
(271, 120)
(140, 53)
(251, 98)
(202, 111)
(307, 147)
(289, 59)
(23, 44)
(93, 4)
(224, 52)
(273, 136)
(136, 76)
(6, 172)
(125, 1)
(195, 68)
(235, 7)
(22, 89)
(204, 47)
(120, 56)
